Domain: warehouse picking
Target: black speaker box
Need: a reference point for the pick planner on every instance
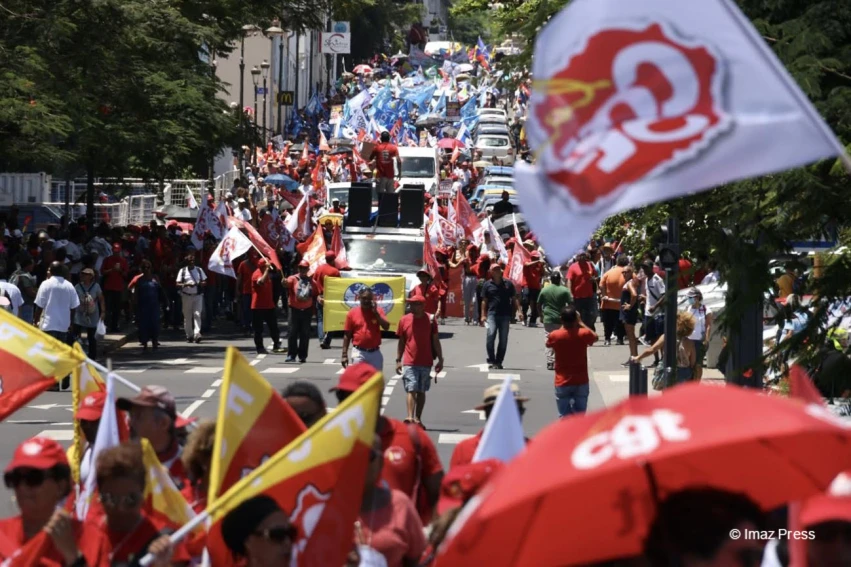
(360, 204)
(411, 206)
(388, 210)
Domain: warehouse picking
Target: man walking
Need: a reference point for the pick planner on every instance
(611, 288)
(418, 346)
(301, 293)
(263, 307)
(570, 345)
(55, 303)
(362, 329)
(244, 288)
(533, 273)
(581, 276)
(385, 155)
(654, 310)
(551, 302)
(115, 270)
(190, 281)
(326, 270)
(499, 302)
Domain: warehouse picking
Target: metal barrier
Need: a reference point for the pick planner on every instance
(140, 209)
(224, 183)
(112, 213)
(637, 379)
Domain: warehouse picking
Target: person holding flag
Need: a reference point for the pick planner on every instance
(263, 307)
(326, 270)
(302, 292)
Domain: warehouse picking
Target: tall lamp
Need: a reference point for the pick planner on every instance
(272, 32)
(265, 67)
(255, 77)
(246, 30)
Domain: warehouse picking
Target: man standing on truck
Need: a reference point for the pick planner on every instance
(385, 155)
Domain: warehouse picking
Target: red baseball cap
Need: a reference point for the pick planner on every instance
(116, 247)
(38, 453)
(833, 506)
(304, 264)
(150, 397)
(330, 255)
(91, 408)
(354, 377)
(416, 298)
(463, 482)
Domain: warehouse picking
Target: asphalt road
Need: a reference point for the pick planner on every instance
(193, 372)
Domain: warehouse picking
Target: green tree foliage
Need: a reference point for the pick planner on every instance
(378, 26)
(468, 27)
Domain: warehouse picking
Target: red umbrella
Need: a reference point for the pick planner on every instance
(450, 143)
(585, 489)
(362, 70)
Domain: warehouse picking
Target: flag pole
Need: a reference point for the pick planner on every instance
(108, 370)
(180, 534)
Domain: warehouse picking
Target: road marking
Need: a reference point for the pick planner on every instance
(261, 356)
(50, 406)
(255, 362)
(441, 374)
(340, 371)
(502, 377)
(384, 401)
(453, 438)
(216, 383)
(192, 407)
(388, 391)
(393, 382)
(58, 434)
(176, 361)
(280, 370)
(481, 413)
(329, 361)
(482, 367)
(208, 393)
(38, 422)
(134, 370)
(203, 370)
(619, 377)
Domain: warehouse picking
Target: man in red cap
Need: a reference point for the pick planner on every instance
(533, 273)
(411, 463)
(114, 270)
(428, 290)
(419, 345)
(326, 270)
(153, 415)
(362, 329)
(263, 307)
(301, 294)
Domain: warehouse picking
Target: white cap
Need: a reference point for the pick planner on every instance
(240, 200)
(228, 195)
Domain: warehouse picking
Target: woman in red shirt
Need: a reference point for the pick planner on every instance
(43, 534)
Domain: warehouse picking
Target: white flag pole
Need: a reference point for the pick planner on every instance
(118, 378)
(179, 535)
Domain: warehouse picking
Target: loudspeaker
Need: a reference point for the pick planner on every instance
(411, 206)
(388, 210)
(360, 204)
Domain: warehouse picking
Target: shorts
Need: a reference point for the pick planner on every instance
(385, 185)
(416, 378)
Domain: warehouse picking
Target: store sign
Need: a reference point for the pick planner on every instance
(335, 43)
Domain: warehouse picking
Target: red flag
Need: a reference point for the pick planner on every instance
(292, 197)
(432, 265)
(342, 262)
(466, 217)
(313, 250)
(257, 240)
(31, 553)
(519, 257)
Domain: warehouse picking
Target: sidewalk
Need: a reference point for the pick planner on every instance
(114, 341)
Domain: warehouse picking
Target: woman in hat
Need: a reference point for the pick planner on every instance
(40, 476)
(91, 311)
(258, 532)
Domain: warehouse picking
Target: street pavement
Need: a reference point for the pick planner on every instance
(193, 373)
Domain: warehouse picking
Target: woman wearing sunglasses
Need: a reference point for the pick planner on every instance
(40, 476)
(132, 534)
(259, 532)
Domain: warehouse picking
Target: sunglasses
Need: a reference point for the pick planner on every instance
(279, 534)
(126, 501)
(30, 477)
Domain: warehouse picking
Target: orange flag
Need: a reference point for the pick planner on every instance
(342, 262)
(317, 479)
(256, 422)
(32, 362)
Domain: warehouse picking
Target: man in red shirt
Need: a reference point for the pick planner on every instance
(326, 270)
(411, 463)
(430, 292)
(533, 273)
(570, 346)
(153, 416)
(581, 275)
(466, 449)
(114, 270)
(418, 346)
(301, 293)
(385, 155)
(244, 288)
(362, 329)
(263, 306)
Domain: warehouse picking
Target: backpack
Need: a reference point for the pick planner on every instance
(303, 289)
(87, 302)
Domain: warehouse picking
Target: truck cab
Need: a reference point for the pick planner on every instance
(420, 167)
(384, 252)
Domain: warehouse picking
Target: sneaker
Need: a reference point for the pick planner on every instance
(491, 366)
(607, 342)
(290, 359)
(302, 360)
(533, 324)
(324, 346)
(620, 342)
(625, 364)
(190, 340)
(498, 366)
(279, 349)
(262, 351)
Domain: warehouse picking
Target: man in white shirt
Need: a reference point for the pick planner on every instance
(54, 306)
(242, 211)
(15, 297)
(654, 308)
(190, 281)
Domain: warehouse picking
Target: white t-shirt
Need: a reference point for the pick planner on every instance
(14, 295)
(56, 297)
(711, 277)
(194, 276)
(655, 293)
(700, 314)
(243, 214)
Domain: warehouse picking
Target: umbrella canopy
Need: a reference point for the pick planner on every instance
(481, 163)
(362, 70)
(450, 143)
(282, 180)
(597, 477)
(429, 120)
(337, 151)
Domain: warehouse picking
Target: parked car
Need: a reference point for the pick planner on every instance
(494, 146)
(492, 111)
(488, 129)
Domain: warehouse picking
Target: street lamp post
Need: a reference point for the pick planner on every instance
(265, 67)
(246, 29)
(255, 78)
(272, 32)
(212, 188)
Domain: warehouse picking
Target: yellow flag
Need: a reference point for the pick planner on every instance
(162, 498)
(341, 295)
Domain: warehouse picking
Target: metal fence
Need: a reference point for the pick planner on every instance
(112, 213)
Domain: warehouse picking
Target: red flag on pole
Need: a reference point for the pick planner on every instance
(257, 240)
(342, 262)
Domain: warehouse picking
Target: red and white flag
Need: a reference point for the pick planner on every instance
(339, 249)
(519, 258)
(232, 246)
(323, 143)
(298, 223)
(190, 199)
(466, 218)
(314, 250)
(257, 240)
(638, 102)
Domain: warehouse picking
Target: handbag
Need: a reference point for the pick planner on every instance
(101, 330)
(660, 376)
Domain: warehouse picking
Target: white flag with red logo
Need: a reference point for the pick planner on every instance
(642, 101)
(232, 246)
(519, 258)
(466, 218)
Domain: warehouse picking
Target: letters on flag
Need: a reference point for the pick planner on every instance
(317, 479)
(254, 422)
(32, 362)
(232, 246)
(256, 240)
(637, 102)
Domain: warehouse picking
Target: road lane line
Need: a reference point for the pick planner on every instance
(393, 382)
(216, 384)
(280, 370)
(261, 356)
(453, 438)
(203, 370)
(384, 401)
(208, 393)
(329, 361)
(388, 391)
(501, 377)
(58, 434)
(192, 407)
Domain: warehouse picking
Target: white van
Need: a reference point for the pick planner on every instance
(420, 166)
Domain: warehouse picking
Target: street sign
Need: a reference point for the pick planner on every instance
(261, 90)
(286, 98)
(335, 43)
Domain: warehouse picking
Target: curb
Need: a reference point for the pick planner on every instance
(118, 342)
